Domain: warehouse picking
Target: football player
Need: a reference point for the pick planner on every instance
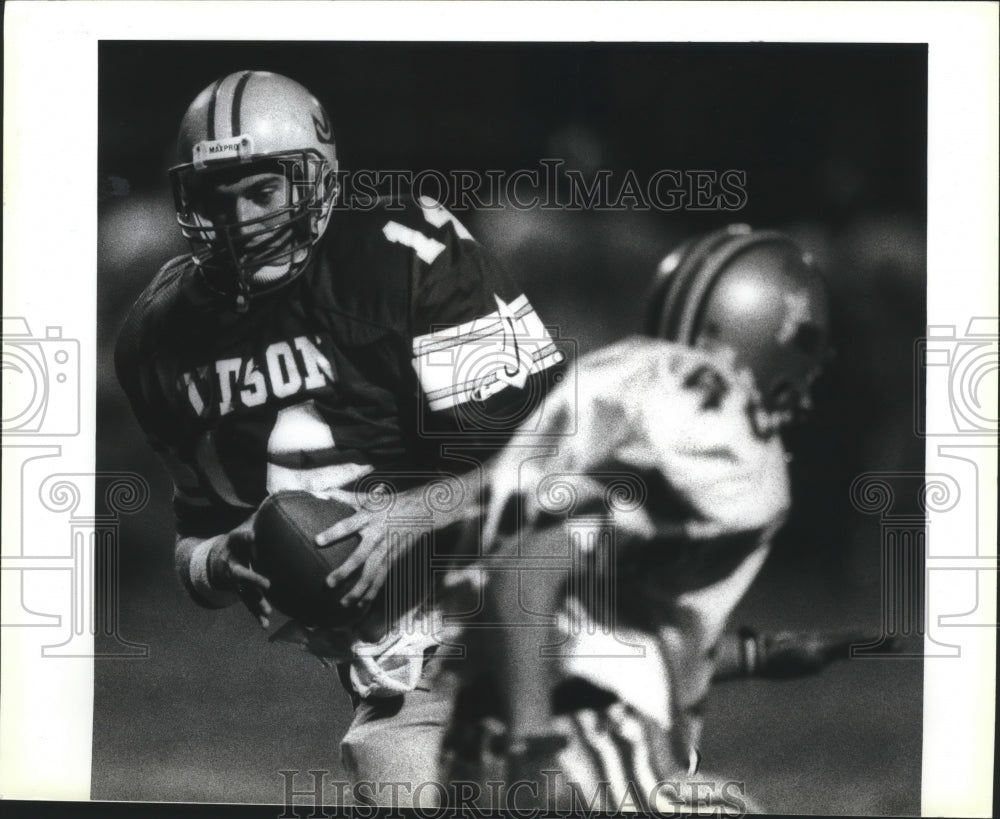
(650, 523)
(303, 346)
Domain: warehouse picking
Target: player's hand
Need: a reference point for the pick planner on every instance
(373, 551)
(229, 569)
(785, 654)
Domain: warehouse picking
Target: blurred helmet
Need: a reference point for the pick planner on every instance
(754, 293)
(246, 123)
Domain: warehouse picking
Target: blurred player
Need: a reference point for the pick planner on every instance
(305, 346)
(616, 561)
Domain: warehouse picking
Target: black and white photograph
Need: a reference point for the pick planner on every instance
(505, 425)
(538, 202)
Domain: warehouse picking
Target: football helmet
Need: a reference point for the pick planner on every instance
(246, 123)
(755, 296)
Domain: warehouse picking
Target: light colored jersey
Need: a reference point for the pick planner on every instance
(645, 480)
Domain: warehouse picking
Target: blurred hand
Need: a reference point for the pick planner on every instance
(229, 570)
(785, 654)
(788, 654)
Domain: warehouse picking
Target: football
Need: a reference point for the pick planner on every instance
(285, 552)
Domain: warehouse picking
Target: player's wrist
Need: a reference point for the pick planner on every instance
(216, 555)
(209, 574)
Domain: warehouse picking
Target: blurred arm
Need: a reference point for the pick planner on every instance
(783, 654)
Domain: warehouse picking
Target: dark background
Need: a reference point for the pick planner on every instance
(833, 142)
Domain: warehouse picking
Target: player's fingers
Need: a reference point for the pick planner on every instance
(264, 612)
(355, 594)
(240, 539)
(374, 559)
(354, 561)
(832, 642)
(263, 606)
(377, 580)
(343, 528)
(863, 639)
(703, 529)
(244, 574)
(342, 495)
(262, 616)
(368, 585)
(256, 603)
(239, 545)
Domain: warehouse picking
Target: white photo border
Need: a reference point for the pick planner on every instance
(50, 160)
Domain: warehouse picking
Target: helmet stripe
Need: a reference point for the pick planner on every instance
(679, 296)
(211, 109)
(238, 101)
(725, 255)
(707, 259)
(223, 117)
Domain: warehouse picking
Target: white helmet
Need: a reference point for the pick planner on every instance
(247, 122)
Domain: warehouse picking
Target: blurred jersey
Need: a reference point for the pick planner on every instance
(657, 510)
(399, 322)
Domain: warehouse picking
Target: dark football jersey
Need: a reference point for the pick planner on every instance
(370, 359)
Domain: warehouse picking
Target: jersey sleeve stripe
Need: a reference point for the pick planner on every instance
(484, 325)
(454, 395)
(542, 359)
(482, 357)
